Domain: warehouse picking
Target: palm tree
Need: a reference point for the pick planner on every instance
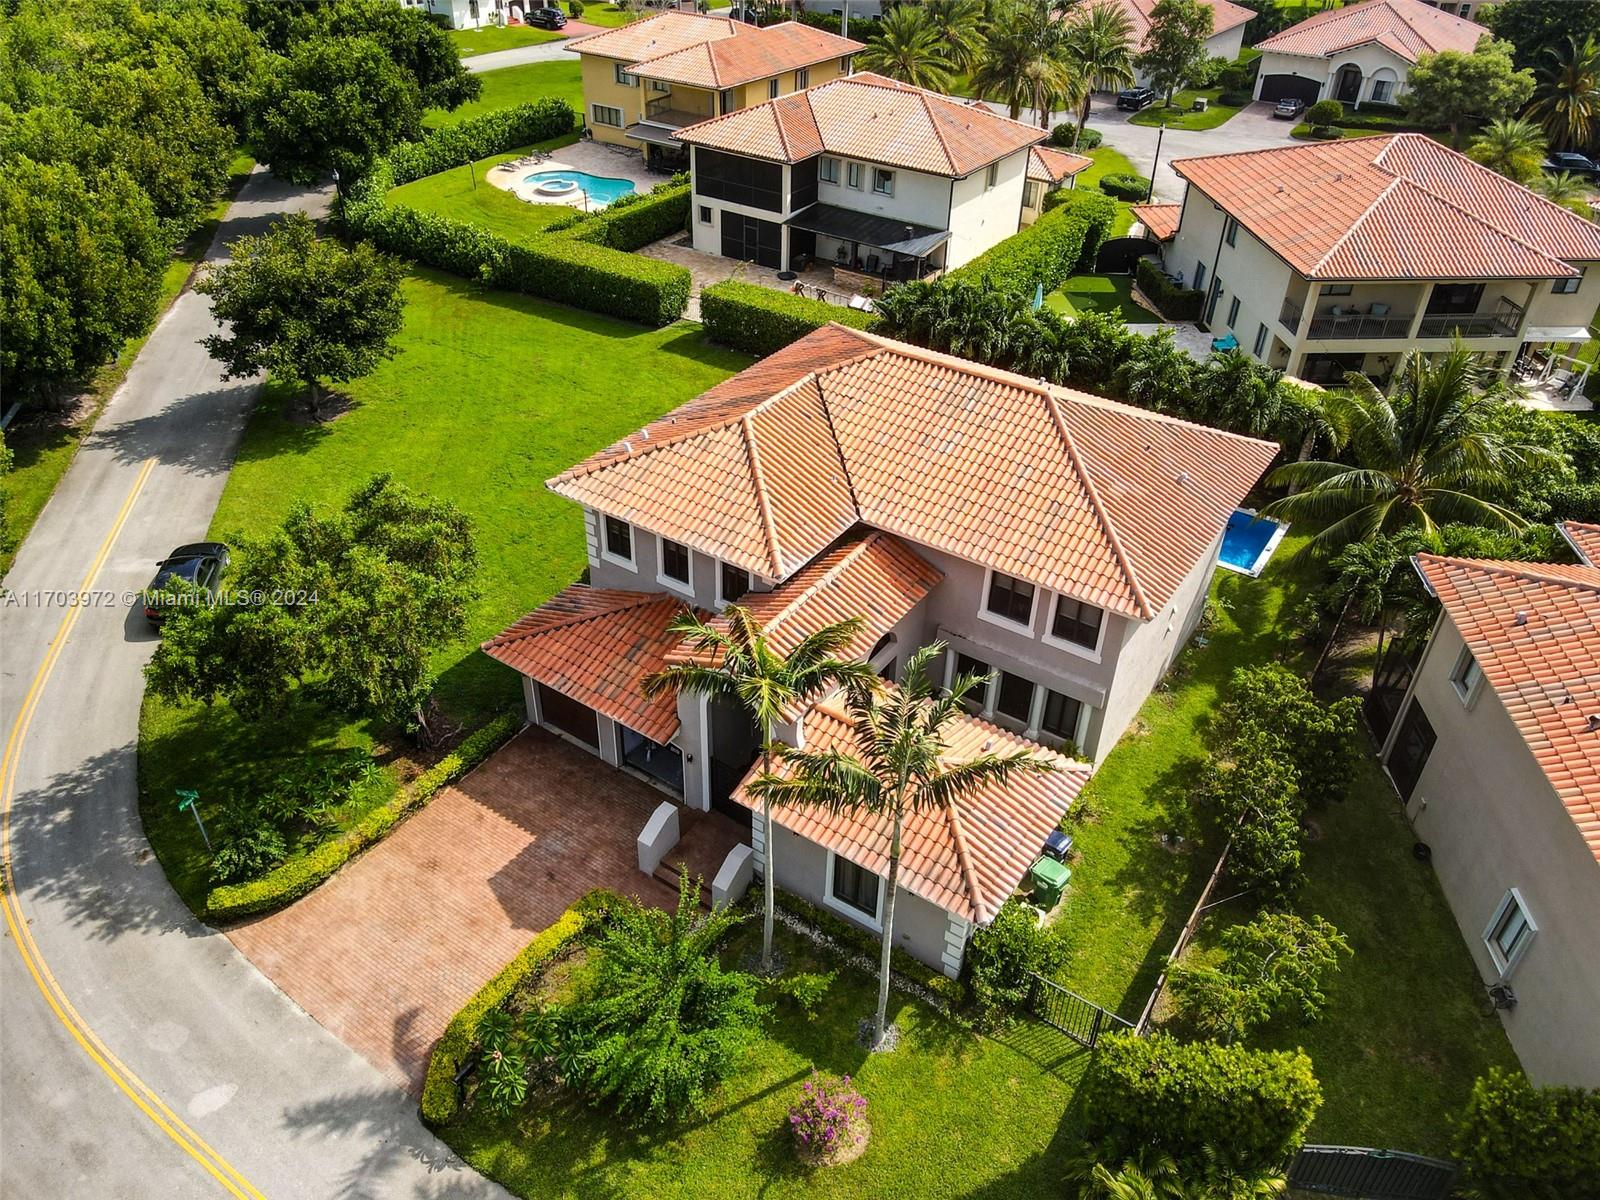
(1566, 99)
(894, 767)
(908, 48)
(1565, 189)
(1511, 146)
(1424, 457)
(1099, 45)
(738, 664)
(1024, 63)
(959, 26)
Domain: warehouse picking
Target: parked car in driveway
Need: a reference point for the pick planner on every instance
(1134, 99)
(1572, 164)
(1289, 108)
(545, 18)
(198, 565)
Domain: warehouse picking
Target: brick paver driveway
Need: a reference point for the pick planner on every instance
(386, 952)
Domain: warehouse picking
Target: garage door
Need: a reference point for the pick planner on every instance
(1279, 87)
(566, 714)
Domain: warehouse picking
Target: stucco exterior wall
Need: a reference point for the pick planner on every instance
(1374, 61)
(1494, 823)
(1572, 310)
(981, 216)
(600, 86)
(1250, 271)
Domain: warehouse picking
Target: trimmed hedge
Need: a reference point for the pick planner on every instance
(1176, 303)
(630, 225)
(1125, 186)
(1186, 1097)
(761, 320)
(1062, 241)
(494, 132)
(293, 879)
(440, 1100)
(1519, 1142)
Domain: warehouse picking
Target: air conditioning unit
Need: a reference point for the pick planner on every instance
(1502, 995)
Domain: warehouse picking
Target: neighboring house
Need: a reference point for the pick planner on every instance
(471, 14)
(1049, 170)
(880, 178)
(1059, 541)
(1358, 54)
(1339, 256)
(644, 81)
(1470, 9)
(1227, 27)
(1496, 754)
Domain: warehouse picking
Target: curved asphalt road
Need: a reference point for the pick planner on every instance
(141, 1055)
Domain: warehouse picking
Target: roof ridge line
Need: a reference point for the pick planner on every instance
(1394, 183)
(1515, 570)
(505, 637)
(827, 577)
(969, 874)
(768, 527)
(937, 133)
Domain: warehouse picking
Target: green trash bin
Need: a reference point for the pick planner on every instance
(1049, 880)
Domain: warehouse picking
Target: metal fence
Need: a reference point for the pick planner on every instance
(1371, 1174)
(1081, 1020)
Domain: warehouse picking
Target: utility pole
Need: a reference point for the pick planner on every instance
(1161, 132)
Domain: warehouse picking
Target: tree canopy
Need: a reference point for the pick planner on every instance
(1176, 44)
(1449, 88)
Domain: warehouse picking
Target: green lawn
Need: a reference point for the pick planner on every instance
(466, 195)
(1181, 114)
(611, 15)
(1099, 293)
(500, 37)
(490, 395)
(517, 85)
(42, 450)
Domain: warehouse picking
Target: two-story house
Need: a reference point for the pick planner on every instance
(879, 178)
(644, 81)
(1225, 41)
(1338, 256)
(1496, 755)
(1059, 543)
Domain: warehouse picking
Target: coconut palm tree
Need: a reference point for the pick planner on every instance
(1566, 97)
(894, 767)
(959, 26)
(908, 48)
(1565, 189)
(734, 661)
(1024, 63)
(1099, 46)
(1420, 458)
(1512, 146)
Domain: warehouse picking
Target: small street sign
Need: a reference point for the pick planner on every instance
(188, 799)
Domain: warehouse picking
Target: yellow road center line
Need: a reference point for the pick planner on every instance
(130, 1084)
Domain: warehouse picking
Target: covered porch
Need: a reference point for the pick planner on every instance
(865, 251)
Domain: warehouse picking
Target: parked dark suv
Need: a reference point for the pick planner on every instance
(545, 18)
(1572, 164)
(1134, 99)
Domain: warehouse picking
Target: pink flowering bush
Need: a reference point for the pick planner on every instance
(830, 1117)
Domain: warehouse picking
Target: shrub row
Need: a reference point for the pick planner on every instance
(1063, 240)
(495, 132)
(1062, 135)
(287, 883)
(1519, 1142)
(1176, 303)
(761, 320)
(1189, 1098)
(628, 225)
(440, 1100)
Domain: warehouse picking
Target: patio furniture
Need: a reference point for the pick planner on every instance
(1380, 310)
(1225, 343)
(860, 303)
(872, 264)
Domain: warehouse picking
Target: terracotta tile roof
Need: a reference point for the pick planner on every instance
(1585, 539)
(1535, 630)
(664, 33)
(869, 117)
(966, 858)
(1052, 166)
(754, 54)
(1224, 16)
(1109, 503)
(1160, 219)
(1408, 28)
(1399, 206)
(597, 645)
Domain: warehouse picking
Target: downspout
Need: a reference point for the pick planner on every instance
(1215, 260)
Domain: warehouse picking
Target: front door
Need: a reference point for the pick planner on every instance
(735, 745)
(751, 240)
(1412, 746)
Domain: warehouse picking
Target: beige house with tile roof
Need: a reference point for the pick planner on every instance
(1058, 542)
(1049, 170)
(1495, 752)
(1331, 257)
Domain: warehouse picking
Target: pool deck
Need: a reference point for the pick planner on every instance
(1264, 556)
(592, 158)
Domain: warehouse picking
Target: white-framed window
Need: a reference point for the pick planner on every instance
(1565, 287)
(1032, 194)
(623, 77)
(1466, 677)
(1233, 312)
(677, 566)
(1077, 625)
(772, 88)
(1382, 90)
(1009, 601)
(961, 666)
(605, 114)
(802, 79)
(1261, 339)
(1509, 933)
(657, 86)
(616, 540)
(1338, 289)
(854, 890)
(1199, 275)
(1063, 717)
(705, 214)
(1230, 231)
(725, 100)
(828, 170)
(732, 583)
(844, 65)
(992, 176)
(1013, 698)
(882, 181)
(852, 175)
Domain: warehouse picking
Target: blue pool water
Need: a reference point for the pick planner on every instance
(601, 189)
(1249, 541)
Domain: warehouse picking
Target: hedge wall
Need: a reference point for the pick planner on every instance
(1176, 303)
(1519, 1142)
(293, 879)
(1062, 241)
(623, 226)
(761, 320)
(493, 133)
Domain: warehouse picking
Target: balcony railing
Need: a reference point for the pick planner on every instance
(1471, 325)
(671, 111)
(1360, 326)
(1289, 318)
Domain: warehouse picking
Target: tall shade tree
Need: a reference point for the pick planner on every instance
(418, 47)
(959, 27)
(1418, 459)
(1099, 48)
(1448, 89)
(303, 307)
(737, 663)
(1533, 26)
(895, 767)
(1566, 96)
(1175, 47)
(1511, 146)
(1025, 64)
(908, 48)
(1567, 190)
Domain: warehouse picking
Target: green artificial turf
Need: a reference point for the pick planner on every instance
(1099, 293)
(500, 37)
(517, 85)
(489, 395)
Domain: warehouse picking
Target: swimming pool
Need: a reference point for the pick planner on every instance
(1248, 542)
(600, 190)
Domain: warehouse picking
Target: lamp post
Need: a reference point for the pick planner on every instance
(1161, 132)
